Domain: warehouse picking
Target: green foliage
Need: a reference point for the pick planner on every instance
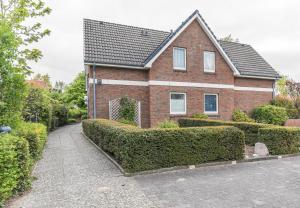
(281, 140)
(35, 134)
(75, 92)
(12, 78)
(281, 87)
(124, 121)
(71, 120)
(127, 109)
(15, 166)
(60, 113)
(167, 124)
(288, 104)
(270, 114)
(21, 16)
(229, 38)
(240, 116)
(250, 129)
(139, 149)
(37, 107)
(200, 115)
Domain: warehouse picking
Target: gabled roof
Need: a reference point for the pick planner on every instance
(247, 60)
(134, 47)
(109, 43)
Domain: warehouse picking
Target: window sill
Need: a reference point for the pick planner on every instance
(179, 70)
(207, 72)
(177, 115)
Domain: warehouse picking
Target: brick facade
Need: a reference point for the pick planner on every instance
(155, 103)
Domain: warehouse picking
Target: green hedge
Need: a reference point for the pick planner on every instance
(270, 114)
(281, 140)
(15, 164)
(139, 149)
(250, 129)
(35, 134)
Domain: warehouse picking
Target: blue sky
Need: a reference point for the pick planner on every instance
(271, 27)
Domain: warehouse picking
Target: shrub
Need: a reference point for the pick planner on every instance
(200, 115)
(139, 149)
(14, 166)
(281, 140)
(60, 112)
(71, 121)
(167, 124)
(250, 129)
(127, 109)
(270, 114)
(240, 116)
(74, 113)
(35, 134)
(124, 121)
(288, 104)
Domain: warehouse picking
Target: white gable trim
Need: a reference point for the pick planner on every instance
(208, 33)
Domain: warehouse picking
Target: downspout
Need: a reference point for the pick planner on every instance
(94, 88)
(274, 88)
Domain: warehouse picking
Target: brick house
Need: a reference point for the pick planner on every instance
(172, 74)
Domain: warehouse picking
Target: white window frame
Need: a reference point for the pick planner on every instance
(170, 98)
(179, 68)
(208, 70)
(217, 102)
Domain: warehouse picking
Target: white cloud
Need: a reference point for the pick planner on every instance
(271, 27)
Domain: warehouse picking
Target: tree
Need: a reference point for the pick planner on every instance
(45, 78)
(281, 87)
(15, 39)
(12, 78)
(229, 38)
(59, 86)
(74, 93)
(16, 14)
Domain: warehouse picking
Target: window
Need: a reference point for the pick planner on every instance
(179, 58)
(209, 61)
(177, 103)
(211, 103)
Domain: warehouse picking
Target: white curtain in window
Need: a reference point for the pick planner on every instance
(209, 61)
(179, 58)
(177, 103)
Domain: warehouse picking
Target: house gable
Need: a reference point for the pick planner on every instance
(195, 41)
(191, 19)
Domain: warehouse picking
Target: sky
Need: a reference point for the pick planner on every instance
(271, 27)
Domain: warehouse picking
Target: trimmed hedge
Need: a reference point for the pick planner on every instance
(35, 134)
(270, 114)
(139, 149)
(281, 140)
(250, 129)
(15, 164)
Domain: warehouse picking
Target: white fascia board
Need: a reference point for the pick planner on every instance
(124, 82)
(256, 89)
(117, 66)
(256, 77)
(190, 84)
(211, 37)
(179, 84)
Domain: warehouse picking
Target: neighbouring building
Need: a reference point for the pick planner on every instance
(172, 74)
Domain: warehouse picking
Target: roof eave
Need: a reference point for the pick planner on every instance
(115, 65)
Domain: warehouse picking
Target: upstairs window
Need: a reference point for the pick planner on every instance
(209, 61)
(179, 58)
(177, 103)
(211, 103)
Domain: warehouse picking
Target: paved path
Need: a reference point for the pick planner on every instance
(73, 173)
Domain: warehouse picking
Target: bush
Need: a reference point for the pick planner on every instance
(250, 129)
(240, 116)
(288, 104)
(14, 166)
(281, 140)
(139, 149)
(72, 120)
(124, 121)
(270, 114)
(60, 112)
(167, 124)
(127, 109)
(200, 115)
(74, 113)
(35, 134)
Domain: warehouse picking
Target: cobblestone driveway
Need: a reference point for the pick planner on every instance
(73, 173)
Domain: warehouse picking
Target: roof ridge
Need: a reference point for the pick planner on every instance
(226, 41)
(136, 27)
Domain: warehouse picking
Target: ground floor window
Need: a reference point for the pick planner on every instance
(211, 103)
(177, 103)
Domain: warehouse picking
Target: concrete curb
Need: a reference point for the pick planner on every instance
(162, 170)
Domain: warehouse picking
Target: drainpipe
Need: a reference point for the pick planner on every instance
(274, 88)
(94, 88)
